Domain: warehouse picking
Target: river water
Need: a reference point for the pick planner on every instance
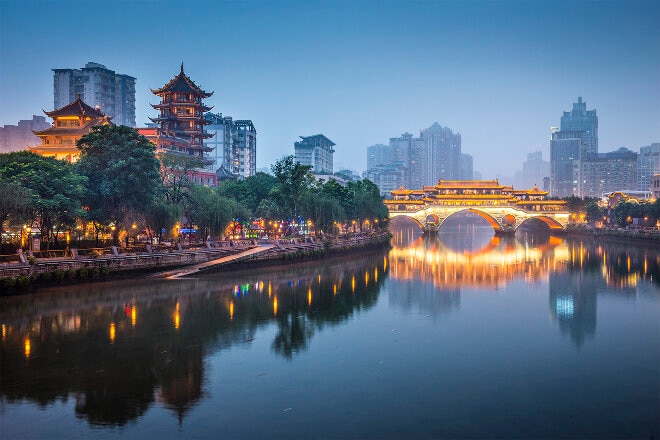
(464, 335)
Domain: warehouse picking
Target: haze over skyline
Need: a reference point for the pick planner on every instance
(500, 73)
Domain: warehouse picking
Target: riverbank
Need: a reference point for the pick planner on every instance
(81, 266)
(621, 235)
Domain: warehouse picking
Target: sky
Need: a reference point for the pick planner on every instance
(500, 73)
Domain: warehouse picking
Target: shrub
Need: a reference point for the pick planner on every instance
(59, 275)
(23, 282)
(83, 273)
(94, 273)
(71, 274)
(7, 284)
(45, 276)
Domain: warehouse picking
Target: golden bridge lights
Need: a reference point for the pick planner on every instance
(112, 332)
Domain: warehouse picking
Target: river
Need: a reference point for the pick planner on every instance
(463, 335)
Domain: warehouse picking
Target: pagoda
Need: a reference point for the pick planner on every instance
(70, 123)
(180, 124)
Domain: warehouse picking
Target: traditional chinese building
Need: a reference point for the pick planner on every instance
(181, 123)
(70, 123)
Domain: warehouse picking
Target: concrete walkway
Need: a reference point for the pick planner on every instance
(185, 271)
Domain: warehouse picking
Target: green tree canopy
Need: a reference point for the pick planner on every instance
(293, 180)
(55, 189)
(122, 171)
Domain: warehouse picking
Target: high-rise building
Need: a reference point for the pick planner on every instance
(586, 121)
(576, 140)
(386, 177)
(655, 186)
(603, 173)
(245, 149)
(378, 154)
(443, 154)
(317, 151)
(648, 165)
(97, 86)
(565, 153)
(467, 165)
(534, 170)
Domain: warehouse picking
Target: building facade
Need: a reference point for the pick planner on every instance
(585, 121)
(442, 158)
(21, 136)
(534, 171)
(655, 186)
(316, 151)
(565, 153)
(234, 146)
(648, 165)
(603, 173)
(98, 86)
(70, 123)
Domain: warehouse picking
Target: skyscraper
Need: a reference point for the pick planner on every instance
(575, 141)
(586, 121)
(97, 86)
(443, 153)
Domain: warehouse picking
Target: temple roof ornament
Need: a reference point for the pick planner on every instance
(183, 84)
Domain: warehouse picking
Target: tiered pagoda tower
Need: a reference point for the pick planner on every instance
(182, 114)
(181, 123)
(70, 123)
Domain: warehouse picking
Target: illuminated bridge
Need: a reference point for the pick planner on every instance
(504, 208)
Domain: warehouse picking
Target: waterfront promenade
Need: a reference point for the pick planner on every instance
(172, 261)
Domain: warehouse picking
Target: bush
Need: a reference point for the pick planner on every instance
(45, 276)
(105, 271)
(7, 284)
(23, 282)
(94, 273)
(71, 274)
(83, 273)
(59, 275)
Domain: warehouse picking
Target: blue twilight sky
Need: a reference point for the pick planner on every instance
(360, 72)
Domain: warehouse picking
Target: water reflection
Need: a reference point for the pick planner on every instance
(118, 347)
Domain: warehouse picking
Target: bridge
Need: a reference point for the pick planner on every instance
(504, 208)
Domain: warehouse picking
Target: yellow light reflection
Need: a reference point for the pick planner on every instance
(376, 274)
(113, 332)
(231, 310)
(309, 297)
(384, 264)
(177, 316)
(334, 289)
(274, 306)
(4, 332)
(27, 346)
(319, 278)
(353, 284)
(366, 279)
(133, 315)
(270, 289)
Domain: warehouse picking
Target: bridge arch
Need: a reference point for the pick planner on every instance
(405, 217)
(551, 223)
(489, 218)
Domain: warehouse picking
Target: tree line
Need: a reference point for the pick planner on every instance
(120, 185)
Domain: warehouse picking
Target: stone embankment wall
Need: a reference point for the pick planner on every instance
(84, 265)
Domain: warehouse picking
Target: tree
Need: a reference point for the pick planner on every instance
(14, 203)
(293, 179)
(54, 186)
(250, 191)
(594, 212)
(210, 212)
(176, 175)
(122, 171)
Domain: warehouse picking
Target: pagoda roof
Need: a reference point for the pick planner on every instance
(401, 191)
(76, 108)
(469, 184)
(533, 191)
(74, 131)
(181, 83)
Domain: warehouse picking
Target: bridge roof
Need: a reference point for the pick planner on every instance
(533, 191)
(469, 184)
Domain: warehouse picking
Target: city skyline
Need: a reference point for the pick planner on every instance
(498, 73)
